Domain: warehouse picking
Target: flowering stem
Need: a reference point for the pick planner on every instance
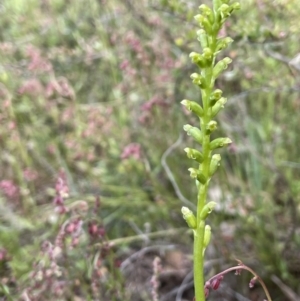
(202, 192)
(210, 22)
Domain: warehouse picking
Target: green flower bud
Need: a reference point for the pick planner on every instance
(217, 4)
(223, 43)
(205, 10)
(189, 217)
(214, 164)
(202, 38)
(195, 56)
(198, 80)
(199, 18)
(225, 10)
(224, 7)
(198, 59)
(211, 126)
(215, 96)
(195, 76)
(235, 6)
(218, 106)
(194, 154)
(207, 236)
(201, 178)
(221, 66)
(194, 132)
(203, 22)
(193, 172)
(193, 107)
(196, 174)
(207, 209)
(219, 142)
(207, 53)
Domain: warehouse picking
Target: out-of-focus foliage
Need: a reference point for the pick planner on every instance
(93, 88)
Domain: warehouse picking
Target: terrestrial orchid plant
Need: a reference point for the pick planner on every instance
(210, 22)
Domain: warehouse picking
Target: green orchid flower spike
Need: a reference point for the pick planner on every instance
(210, 21)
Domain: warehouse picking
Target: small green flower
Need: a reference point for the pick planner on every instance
(218, 106)
(223, 44)
(211, 126)
(204, 23)
(194, 154)
(207, 236)
(214, 164)
(215, 96)
(189, 217)
(198, 80)
(196, 174)
(219, 142)
(194, 132)
(221, 66)
(193, 106)
(202, 38)
(207, 209)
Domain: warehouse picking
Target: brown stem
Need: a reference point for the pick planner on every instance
(241, 266)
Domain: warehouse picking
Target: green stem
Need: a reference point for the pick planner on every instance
(202, 193)
(202, 196)
(198, 262)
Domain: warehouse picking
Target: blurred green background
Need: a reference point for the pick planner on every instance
(91, 89)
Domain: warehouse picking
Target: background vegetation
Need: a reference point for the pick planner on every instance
(90, 96)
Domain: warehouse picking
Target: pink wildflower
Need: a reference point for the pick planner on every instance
(132, 150)
(9, 189)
